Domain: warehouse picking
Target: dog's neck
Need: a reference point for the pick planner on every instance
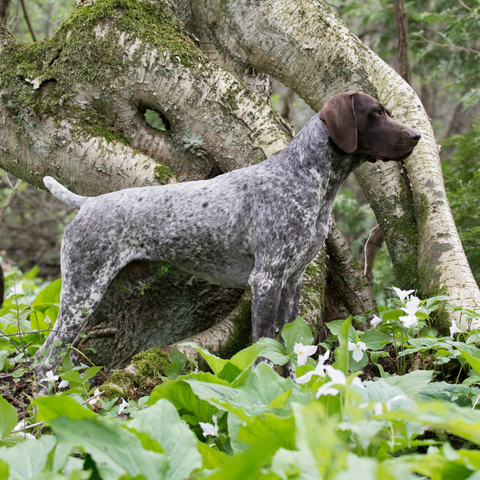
(312, 152)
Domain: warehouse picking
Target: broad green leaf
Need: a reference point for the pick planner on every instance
(336, 326)
(471, 354)
(460, 394)
(285, 462)
(181, 395)
(375, 339)
(8, 418)
(215, 363)
(296, 332)
(26, 460)
(412, 382)
(229, 372)
(3, 358)
(162, 423)
(461, 421)
(246, 466)
(269, 428)
(52, 407)
(393, 315)
(359, 467)
(3, 469)
(178, 357)
(212, 459)
(115, 450)
(341, 353)
(245, 357)
(90, 373)
(353, 365)
(274, 351)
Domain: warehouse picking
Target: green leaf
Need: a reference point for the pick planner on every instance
(114, 449)
(90, 373)
(162, 423)
(52, 407)
(412, 382)
(353, 365)
(181, 395)
(471, 354)
(336, 326)
(459, 394)
(215, 363)
(8, 418)
(229, 372)
(211, 458)
(341, 353)
(274, 351)
(153, 118)
(393, 315)
(375, 339)
(178, 357)
(296, 332)
(26, 460)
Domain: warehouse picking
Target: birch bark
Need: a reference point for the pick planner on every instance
(306, 46)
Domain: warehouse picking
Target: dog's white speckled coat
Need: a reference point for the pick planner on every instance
(257, 227)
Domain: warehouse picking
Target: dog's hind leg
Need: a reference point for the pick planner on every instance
(78, 300)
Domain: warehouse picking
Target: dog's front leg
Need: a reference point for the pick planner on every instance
(265, 291)
(288, 310)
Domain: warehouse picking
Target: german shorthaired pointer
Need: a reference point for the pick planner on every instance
(257, 227)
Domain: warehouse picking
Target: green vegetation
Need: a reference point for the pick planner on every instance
(396, 401)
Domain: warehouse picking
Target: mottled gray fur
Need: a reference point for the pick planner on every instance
(256, 228)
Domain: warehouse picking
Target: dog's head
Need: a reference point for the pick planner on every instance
(359, 124)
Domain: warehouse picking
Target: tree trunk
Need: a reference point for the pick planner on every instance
(4, 10)
(284, 38)
(402, 40)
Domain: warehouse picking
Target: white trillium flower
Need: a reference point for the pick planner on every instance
(19, 430)
(402, 294)
(93, 401)
(409, 321)
(209, 429)
(412, 306)
(303, 352)
(376, 321)
(357, 349)
(454, 329)
(49, 377)
(16, 290)
(319, 369)
(122, 406)
(337, 377)
(63, 384)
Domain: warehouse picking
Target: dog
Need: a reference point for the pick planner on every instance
(254, 228)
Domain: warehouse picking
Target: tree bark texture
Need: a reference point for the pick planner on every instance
(4, 10)
(402, 40)
(305, 46)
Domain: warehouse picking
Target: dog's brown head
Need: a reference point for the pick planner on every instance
(359, 124)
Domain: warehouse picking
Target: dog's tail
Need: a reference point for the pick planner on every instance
(75, 201)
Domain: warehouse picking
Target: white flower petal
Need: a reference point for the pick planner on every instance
(63, 384)
(306, 378)
(122, 406)
(376, 321)
(326, 389)
(402, 294)
(477, 296)
(454, 329)
(337, 376)
(209, 429)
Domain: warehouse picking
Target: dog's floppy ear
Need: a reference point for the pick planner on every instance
(338, 115)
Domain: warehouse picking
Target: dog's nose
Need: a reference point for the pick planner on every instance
(414, 135)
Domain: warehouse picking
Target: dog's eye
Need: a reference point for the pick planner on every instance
(378, 111)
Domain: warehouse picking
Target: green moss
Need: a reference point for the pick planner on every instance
(87, 50)
(162, 174)
(151, 363)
